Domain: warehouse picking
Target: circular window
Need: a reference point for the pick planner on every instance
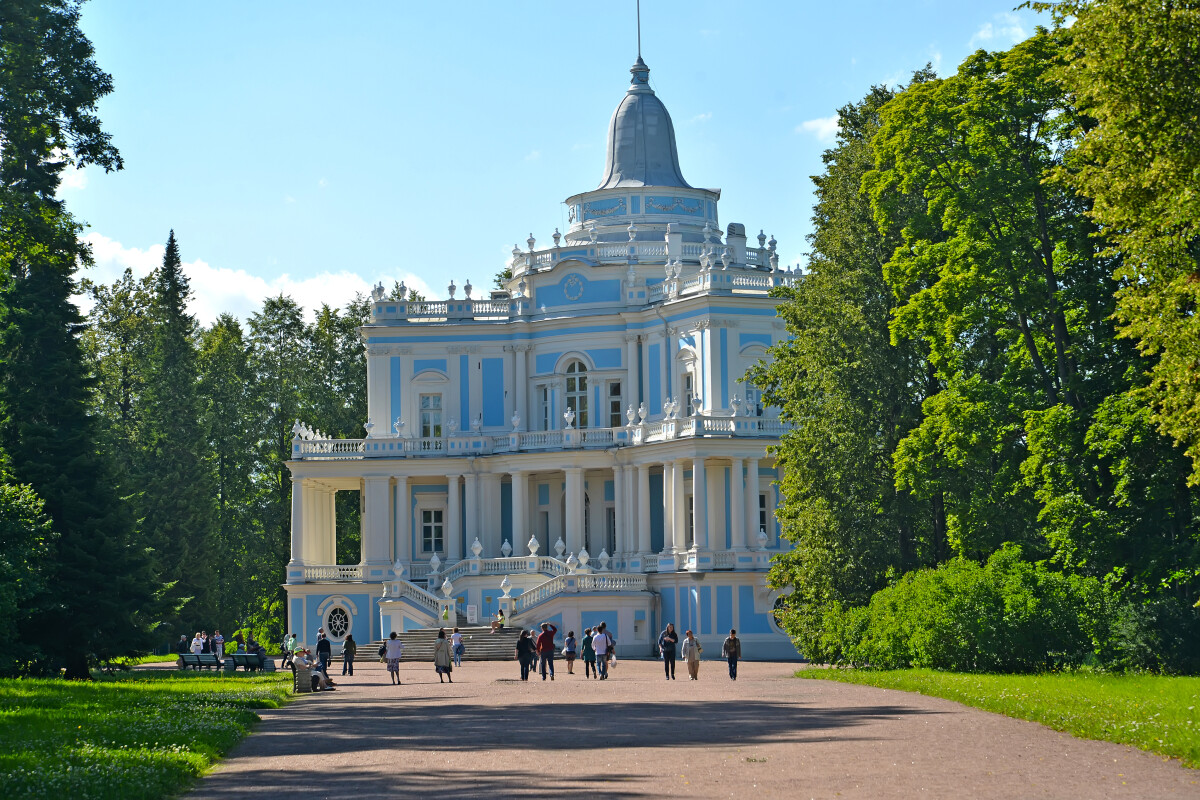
(778, 611)
(338, 623)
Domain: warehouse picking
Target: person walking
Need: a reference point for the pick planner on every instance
(218, 644)
(526, 654)
(197, 644)
(393, 650)
(691, 654)
(442, 657)
(545, 649)
(667, 642)
(456, 645)
(324, 652)
(732, 650)
(589, 655)
(569, 651)
(289, 646)
(602, 644)
(349, 649)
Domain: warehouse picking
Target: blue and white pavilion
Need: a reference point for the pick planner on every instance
(575, 448)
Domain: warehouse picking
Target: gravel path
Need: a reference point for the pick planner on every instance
(636, 735)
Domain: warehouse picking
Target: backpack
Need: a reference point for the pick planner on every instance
(382, 650)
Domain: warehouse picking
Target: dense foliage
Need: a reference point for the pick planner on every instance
(959, 387)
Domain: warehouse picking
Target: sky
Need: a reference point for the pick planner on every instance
(315, 148)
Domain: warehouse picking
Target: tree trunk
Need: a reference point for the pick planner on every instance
(77, 667)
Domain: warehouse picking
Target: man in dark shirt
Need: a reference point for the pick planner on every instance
(545, 648)
(324, 652)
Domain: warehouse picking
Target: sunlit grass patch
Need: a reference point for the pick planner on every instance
(139, 735)
(1152, 712)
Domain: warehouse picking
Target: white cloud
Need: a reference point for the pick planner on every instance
(1004, 30)
(287, 198)
(322, 183)
(823, 128)
(705, 117)
(534, 155)
(218, 290)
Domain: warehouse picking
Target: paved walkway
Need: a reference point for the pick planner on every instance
(636, 735)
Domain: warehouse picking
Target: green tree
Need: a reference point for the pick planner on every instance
(173, 474)
(850, 395)
(26, 540)
(241, 560)
(104, 594)
(1134, 70)
(281, 372)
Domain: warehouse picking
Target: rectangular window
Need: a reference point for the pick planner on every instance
(610, 529)
(615, 420)
(431, 530)
(544, 407)
(689, 395)
(431, 415)
(762, 515)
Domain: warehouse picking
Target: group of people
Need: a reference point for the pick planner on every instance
(597, 649)
(216, 644)
(447, 654)
(300, 656)
(668, 644)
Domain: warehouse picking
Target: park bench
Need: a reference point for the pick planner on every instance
(301, 679)
(199, 660)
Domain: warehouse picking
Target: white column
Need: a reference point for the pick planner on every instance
(631, 371)
(700, 504)
(643, 523)
(631, 536)
(574, 538)
(752, 502)
(329, 540)
(679, 501)
(521, 387)
(668, 507)
(737, 506)
(471, 488)
(490, 525)
(453, 520)
(619, 509)
(376, 547)
(297, 522)
(520, 503)
(403, 517)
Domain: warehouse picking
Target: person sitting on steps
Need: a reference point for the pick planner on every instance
(498, 622)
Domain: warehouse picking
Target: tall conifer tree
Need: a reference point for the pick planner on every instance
(175, 479)
(102, 590)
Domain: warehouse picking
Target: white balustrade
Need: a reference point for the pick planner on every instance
(333, 572)
(724, 559)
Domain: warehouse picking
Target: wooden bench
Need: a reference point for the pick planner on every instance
(199, 660)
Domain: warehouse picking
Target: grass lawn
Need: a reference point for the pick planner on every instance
(137, 735)
(1153, 712)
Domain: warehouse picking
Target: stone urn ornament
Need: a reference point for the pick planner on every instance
(505, 586)
(506, 549)
(560, 547)
(447, 588)
(572, 562)
(533, 545)
(476, 547)
(584, 558)
(761, 539)
(435, 564)
(604, 559)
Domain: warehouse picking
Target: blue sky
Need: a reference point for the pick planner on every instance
(315, 148)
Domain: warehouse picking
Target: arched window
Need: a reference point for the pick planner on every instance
(577, 392)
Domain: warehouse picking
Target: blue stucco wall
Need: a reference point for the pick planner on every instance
(493, 391)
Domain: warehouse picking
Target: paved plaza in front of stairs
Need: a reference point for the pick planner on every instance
(637, 735)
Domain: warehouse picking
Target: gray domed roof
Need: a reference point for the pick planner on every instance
(641, 139)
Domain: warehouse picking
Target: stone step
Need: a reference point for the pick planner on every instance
(480, 644)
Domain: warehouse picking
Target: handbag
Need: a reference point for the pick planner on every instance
(612, 661)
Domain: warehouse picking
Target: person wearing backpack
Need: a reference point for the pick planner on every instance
(732, 650)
